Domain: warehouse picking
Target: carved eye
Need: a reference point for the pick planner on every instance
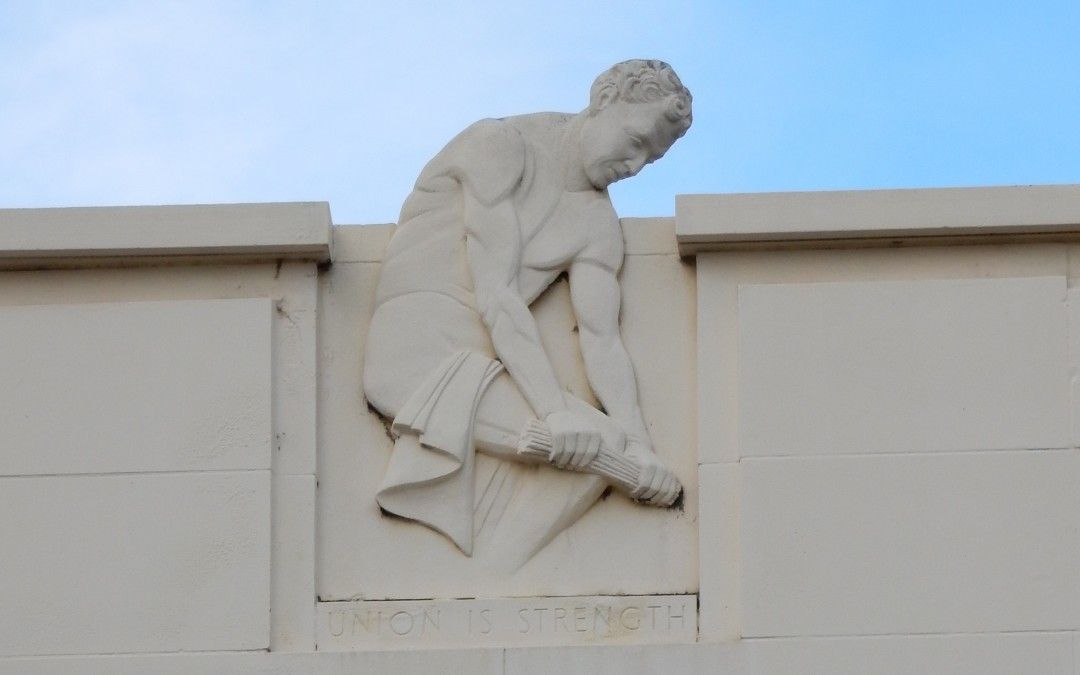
(636, 142)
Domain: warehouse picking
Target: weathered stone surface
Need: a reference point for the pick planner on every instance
(135, 563)
(655, 546)
(916, 366)
(141, 386)
(910, 543)
(292, 574)
(507, 622)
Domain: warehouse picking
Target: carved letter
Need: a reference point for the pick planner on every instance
(540, 618)
(560, 617)
(431, 616)
(602, 612)
(406, 626)
(652, 615)
(633, 622)
(681, 616)
(366, 622)
(485, 617)
(580, 616)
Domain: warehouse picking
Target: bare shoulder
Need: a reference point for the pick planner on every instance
(488, 157)
(604, 238)
(543, 129)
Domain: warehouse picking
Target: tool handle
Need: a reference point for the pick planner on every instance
(618, 469)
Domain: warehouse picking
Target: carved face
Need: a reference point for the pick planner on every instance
(623, 137)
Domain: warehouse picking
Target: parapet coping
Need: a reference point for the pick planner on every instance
(367, 243)
(877, 218)
(94, 236)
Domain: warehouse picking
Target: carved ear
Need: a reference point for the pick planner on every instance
(609, 93)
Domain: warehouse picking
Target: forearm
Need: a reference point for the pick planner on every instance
(517, 344)
(611, 375)
(494, 251)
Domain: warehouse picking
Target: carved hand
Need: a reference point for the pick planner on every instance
(576, 439)
(657, 485)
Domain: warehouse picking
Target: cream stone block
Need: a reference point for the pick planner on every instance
(433, 662)
(876, 217)
(985, 654)
(1076, 653)
(292, 574)
(470, 662)
(630, 660)
(719, 526)
(361, 243)
(721, 274)
(220, 663)
(649, 236)
(902, 366)
(1073, 304)
(87, 235)
(363, 554)
(132, 387)
(910, 543)
(135, 563)
(291, 285)
(367, 243)
(295, 356)
(293, 282)
(507, 622)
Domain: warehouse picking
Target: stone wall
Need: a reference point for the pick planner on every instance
(869, 398)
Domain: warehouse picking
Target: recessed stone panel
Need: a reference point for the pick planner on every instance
(363, 553)
(902, 366)
(985, 654)
(913, 543)
(507, 622)
(138, 386)
(135, 563)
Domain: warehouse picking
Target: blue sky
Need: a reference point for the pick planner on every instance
(106, 103)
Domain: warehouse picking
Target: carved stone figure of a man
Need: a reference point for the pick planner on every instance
(453, 353)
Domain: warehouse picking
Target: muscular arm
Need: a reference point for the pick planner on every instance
(487, 161)
(494, 250)
(595, 294)
(596, 297)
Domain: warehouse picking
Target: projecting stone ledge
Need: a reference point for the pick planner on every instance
(874, 218)
(92, 236)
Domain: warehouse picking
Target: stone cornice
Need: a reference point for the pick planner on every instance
(877, 218)
(99, 236)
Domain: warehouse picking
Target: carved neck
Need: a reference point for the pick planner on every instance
(574, 176)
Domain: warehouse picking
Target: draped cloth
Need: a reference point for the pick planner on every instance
(430, 478)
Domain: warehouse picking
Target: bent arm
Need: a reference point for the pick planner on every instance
(596, 297)
(493, 244)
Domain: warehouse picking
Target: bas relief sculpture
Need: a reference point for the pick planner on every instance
(453, 354)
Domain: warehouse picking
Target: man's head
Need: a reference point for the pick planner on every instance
(643, 81)
(637, 110)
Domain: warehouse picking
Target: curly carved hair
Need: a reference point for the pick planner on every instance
(644, 81)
